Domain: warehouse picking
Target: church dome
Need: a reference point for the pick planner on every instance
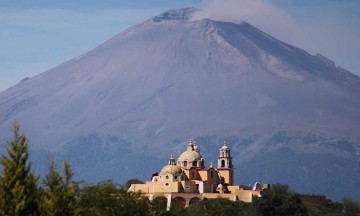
(171, 169)
(190, 155)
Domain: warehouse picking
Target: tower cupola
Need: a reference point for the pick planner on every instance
(172, 160)
(225, 166)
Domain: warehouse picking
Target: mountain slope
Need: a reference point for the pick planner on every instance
(141, 95)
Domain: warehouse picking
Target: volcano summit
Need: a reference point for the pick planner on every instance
(289, 116)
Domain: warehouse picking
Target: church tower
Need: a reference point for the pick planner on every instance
(225, 166)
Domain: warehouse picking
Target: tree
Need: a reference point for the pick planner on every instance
(317, 210)
(105, 198)
(133, 203)
(221, 206)
(279, 200)
(98, 199)
(158, 205)
(18, 185)
(59, 194)
(351, 207)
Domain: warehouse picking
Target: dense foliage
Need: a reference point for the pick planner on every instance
(221, 207)
(106, 198)
(20, 194)
(279, 200)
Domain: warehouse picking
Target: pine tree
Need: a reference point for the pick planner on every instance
(71, 189)
(18, 185)
(60, 192)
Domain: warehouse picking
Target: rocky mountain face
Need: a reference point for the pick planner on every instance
(121, 109)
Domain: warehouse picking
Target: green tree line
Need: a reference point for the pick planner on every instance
(22, 193)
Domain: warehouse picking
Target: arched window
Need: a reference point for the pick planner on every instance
(194, 163)
(222, 163)
(185, 163)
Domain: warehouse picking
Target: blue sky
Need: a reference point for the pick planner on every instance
(40, 34)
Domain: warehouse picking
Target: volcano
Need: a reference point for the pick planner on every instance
(119, 110)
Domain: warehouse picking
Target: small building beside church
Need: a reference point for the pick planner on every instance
(187, 180)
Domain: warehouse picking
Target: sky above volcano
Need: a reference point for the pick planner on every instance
(40, 34)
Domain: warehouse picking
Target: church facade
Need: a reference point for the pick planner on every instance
(187, 180)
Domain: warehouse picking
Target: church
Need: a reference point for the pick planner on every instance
(187, 180)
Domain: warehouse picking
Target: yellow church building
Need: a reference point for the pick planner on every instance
(187, 180)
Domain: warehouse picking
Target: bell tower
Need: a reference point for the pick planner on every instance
(225, 166)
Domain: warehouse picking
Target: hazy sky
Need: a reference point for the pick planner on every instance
(37, 35)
